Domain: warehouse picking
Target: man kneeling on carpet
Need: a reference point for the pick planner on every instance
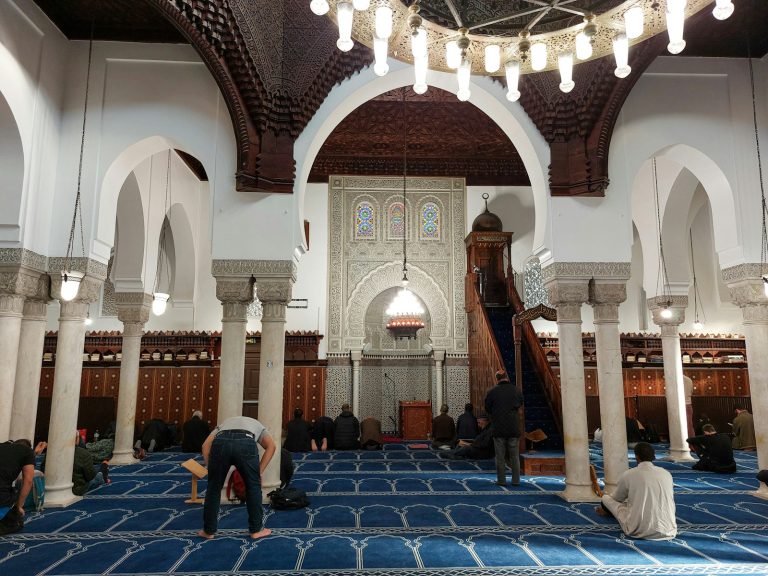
(233, 443)
(714, 450)
(643, 501)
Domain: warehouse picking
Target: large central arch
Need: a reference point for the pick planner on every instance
(486, 95)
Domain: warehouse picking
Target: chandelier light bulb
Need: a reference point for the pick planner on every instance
(319, 7)
(583, 46)
(512, 70)
(539, 56)
(621, 53)
(419, 44)
(88, 319)
(675, 25)
(344, 14)
(452, 55)
(420, 66)
(565, 64)
(462, 75)
(405, 304)
(361, 5)
(383, 22)
(723, 9)
(380, 66)
(666, 312)
(492, 58)
(159, 303)
(70, 284)
(698, 326)
(633, 22)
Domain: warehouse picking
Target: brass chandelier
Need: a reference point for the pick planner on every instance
(511, 43)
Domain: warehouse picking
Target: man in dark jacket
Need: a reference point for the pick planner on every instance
(503, 403)
(443, 430)
(297, 433)
(714, 450)
(480, 448)
(466, 425)
(322, 434)
(346, 430)
(196, 430)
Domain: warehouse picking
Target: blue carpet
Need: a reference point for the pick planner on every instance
(391, 512)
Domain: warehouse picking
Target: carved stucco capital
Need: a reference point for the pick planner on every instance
(676, 304)
(234, 311)
(23, 281)
(11, 305)
(90, 267)
(274, 294)
(234, 289)
(567, 296)
(133, 308)
(356, 355)
(255, 268)
(89, 291)
(605, 297)
(36, 310)
(439, 355)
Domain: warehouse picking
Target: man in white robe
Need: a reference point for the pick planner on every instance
(643, 502)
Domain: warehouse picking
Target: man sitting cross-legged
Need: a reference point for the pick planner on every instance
(643, 502)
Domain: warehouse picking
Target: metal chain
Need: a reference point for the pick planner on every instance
(162, 257)
(764, 207)
(405, 174)
(77, 216)
(663, 277)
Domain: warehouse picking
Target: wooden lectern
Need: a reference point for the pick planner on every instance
(415, 420)
(198, 472)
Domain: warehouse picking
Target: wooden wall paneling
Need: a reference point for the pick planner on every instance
(590, 381)
(193, 392)
(708, 383)
(632, 382)
(46, 382)
(161, 404)
(741, 383)
(652, 410)
(211, 395)
(316, 392)
(144, 400)
(718, 409)
(97, 382)
(593, 414)
(112, 382)
(177, 396)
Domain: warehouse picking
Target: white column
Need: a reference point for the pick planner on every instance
(356, 356)
(439, 377)
(605, 298)
(567, 295)
(274, 295)
(235, 294)
(746, 287)
(28, 367)
(11, 310)
(66, 393)
(133, 312)
(674, 389)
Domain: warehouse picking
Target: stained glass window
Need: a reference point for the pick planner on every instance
(365, 225)
(430, 220)
(396, 220)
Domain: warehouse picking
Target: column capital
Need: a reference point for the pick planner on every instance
(35, 309)
(605, 297)
(23, 281)
(11, 305)
(255, 268)
(133, 308)
(356, 355)
(90, 285)
(234, 289)
(676, 304)
(567, 295)
(274, 293)
(439, 355)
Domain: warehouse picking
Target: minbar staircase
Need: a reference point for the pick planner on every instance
(492, 346)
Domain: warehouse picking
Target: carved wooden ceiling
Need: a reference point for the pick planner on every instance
(275, 62)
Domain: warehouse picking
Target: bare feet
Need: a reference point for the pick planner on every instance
(261, 533)
(600, 511)
(204, 534)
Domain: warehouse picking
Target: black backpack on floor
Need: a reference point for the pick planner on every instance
(288, 498)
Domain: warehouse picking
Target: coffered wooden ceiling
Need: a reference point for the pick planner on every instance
(275, 62)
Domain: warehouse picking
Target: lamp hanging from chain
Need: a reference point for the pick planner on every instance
(666, 307)
(71, 279)
(537, 35)
(697, 324)
(160, 298)
(405, 313)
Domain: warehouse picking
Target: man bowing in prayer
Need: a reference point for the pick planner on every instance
(643, 501)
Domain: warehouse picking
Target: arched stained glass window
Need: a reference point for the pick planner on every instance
(396, 220)
(430, 221)
(365, 223)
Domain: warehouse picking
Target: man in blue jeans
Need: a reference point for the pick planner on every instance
(503, 403)
(234, 443)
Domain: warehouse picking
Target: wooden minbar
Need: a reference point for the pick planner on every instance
(415, 420)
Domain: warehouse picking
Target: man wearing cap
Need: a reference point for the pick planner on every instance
(503, 403)
(481, 448)
(233, 443)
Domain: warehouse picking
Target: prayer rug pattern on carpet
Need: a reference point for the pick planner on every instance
(395, 511)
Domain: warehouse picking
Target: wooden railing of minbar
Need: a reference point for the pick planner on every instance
(484, 355)
(524, 331)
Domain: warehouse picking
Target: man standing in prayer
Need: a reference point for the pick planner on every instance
(503, 403)
(643, 501)
(233, 443)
